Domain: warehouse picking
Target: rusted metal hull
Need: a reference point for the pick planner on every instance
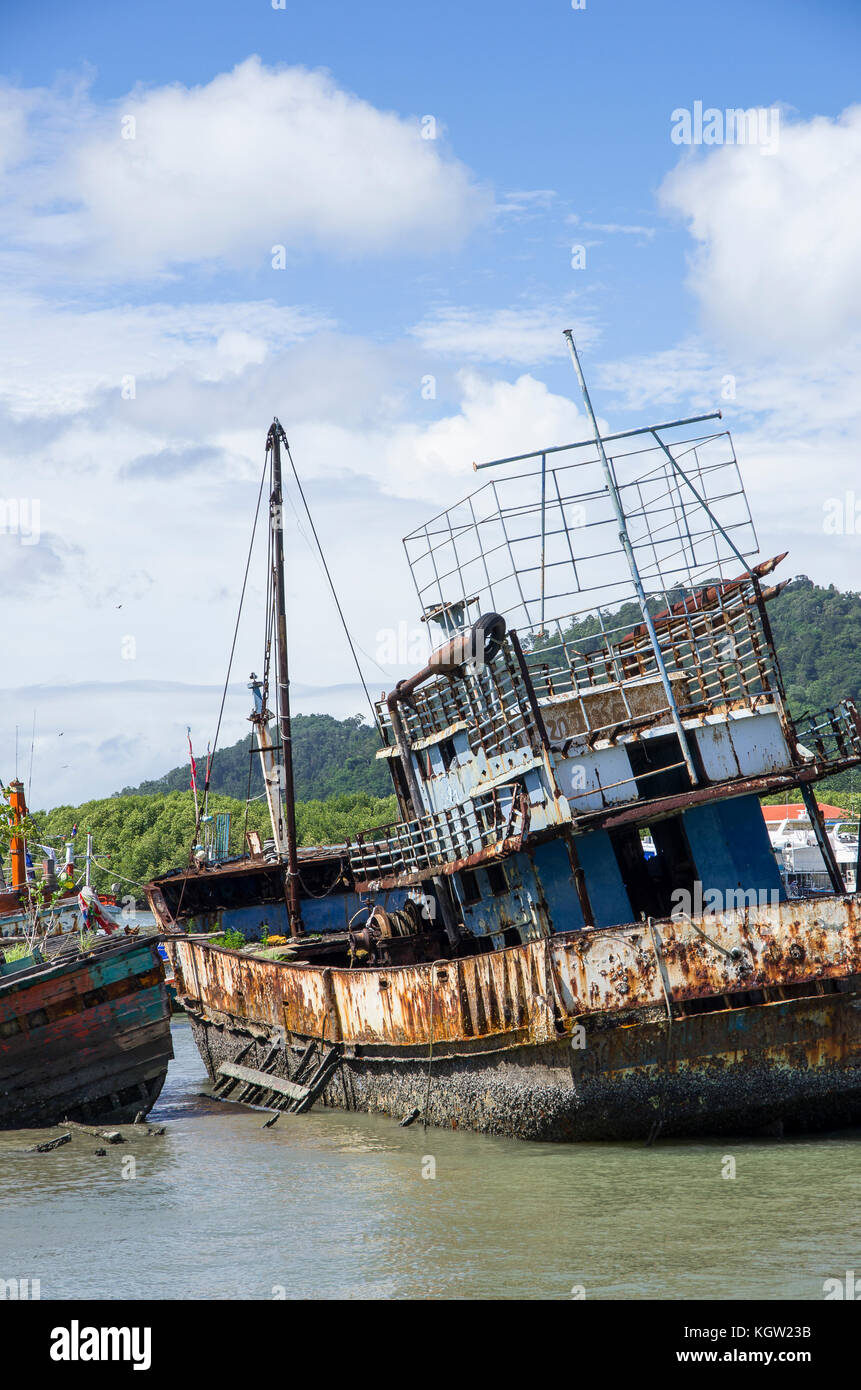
(728, 1022)
(794, 1065)
(85, 1039)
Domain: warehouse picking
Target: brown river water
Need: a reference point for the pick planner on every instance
(329, 1205)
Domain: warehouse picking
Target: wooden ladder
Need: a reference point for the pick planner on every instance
(259, 1087)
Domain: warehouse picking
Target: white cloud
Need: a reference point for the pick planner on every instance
(777, 265)
(146, 504)
(613, 228)
(524, 337)
(221, 173)
(55, 356)
(525, 204)
(496, 419)
(796, 426)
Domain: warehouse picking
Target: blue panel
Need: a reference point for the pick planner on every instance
(607, 894)
(731, 849)
(557, 884)
(747, 835)
(328, 914)
(712, 855)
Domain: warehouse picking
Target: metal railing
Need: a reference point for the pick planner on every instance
(714, 654)
(417, 847)
(833, 735)
(492, 703)
(714, 644)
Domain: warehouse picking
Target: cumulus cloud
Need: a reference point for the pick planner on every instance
(224, 172)
(777, 265)
(495, 419)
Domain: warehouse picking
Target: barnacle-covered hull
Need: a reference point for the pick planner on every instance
(732, 1023)
(624, 1089)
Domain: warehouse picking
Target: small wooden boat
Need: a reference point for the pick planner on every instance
(84, 1035)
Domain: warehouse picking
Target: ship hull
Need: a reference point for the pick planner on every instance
(603, 1035)
(86, 1039)
(791, 1066)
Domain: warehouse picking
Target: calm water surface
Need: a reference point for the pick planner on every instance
(329, 1205)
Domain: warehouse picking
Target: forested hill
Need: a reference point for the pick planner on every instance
(817, 633)
(818, 636)
(331, 757)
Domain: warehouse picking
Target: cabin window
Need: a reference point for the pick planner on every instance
(497, 879)
(469, 889)
(654, 870)
(447, 752)
(423, 763)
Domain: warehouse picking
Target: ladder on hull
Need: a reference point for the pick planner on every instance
(261, 1088)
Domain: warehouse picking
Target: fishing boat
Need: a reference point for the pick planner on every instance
(84, 1034)
(55, 904)
(84, 1011)
(595, 942)
(799, 857)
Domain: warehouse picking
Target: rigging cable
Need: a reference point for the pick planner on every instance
(229, 668)
(235, 635)
(331, 584)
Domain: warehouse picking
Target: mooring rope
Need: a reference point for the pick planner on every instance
(430, 1041)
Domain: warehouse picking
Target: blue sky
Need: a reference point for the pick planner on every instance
(151, 259)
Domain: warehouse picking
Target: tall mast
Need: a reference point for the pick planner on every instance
(273, 442)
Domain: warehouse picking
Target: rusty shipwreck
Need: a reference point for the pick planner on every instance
(84, 1034)
(507, 957)
(84, 1029)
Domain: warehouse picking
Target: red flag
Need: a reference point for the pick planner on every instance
(193, 764)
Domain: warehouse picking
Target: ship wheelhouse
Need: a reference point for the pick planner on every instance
(599, 757)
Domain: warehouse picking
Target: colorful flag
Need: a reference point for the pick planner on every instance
(193, 764)
(93, 913)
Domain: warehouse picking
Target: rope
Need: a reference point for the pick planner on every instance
(235, 633)
(229, 668)
(331, 583)
(112, 872)
(430, 1042)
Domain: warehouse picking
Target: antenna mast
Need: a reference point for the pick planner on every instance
(625, 542)
(291, 885)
